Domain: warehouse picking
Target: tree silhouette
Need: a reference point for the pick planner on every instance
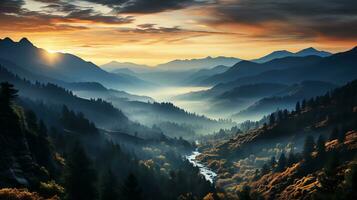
(130, 189)
(244, 194)
(334, 134)
(80, 177)
(7, 95)
(281, 163)
(297, 107)
(264, 170)
(320, 147)
(9, 122)
(308, 148)
(272, 162)
(272, 119)
(341, 137)
(109, 190)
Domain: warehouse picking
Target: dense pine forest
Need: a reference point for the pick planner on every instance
(76, 161)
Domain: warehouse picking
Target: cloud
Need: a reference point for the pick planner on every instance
(302, 18)
(11, 6)
(13, 16)
(146, 6)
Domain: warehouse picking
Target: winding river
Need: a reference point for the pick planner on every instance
(204, 170)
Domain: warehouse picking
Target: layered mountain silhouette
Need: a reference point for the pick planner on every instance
(202, 63)
(61, 66)
(283, 53)
(115, 66)
(284, 99)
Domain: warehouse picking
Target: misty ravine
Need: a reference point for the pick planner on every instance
(204, 170)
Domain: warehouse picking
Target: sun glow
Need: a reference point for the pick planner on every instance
(51, 57)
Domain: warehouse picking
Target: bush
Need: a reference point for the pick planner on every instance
(21, 194)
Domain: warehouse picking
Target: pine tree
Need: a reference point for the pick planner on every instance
(281, 163)
(264, 170)
(291, 159)
(272, 119)
(7, 94)
(280, 116)
(341, 137)
(272, 162)
(244, 194)
(131, 190)
(109, 190)
(308, 148)
(303, 104)
(320, 147)
(9, 121)
(297, 107)
(334, 134)
(80, 177)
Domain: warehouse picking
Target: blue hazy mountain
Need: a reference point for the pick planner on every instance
(285, 99)
(115, 66)
(283, 53)
(203, 74)
(202, 63)
(248, 68)
(61, 66)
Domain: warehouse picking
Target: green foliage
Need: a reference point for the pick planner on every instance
(244, 193)
(320, 147)
(281, 163)
(334, 134)
(77, 122)
(131, 189)
(109, 187)
(308, 148)
(272, 162)
(80, 177)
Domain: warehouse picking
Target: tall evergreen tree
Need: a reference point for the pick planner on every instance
(341, 137)
(130, 189)
(320, 147)
(297, 107)
(334, 134)
(9, 122)
(272, 119)
(80, 177)
(281, 163)
(264, 170)
(109, 187)
(291, 159)
(308, 148)
(272, 162)
(7, 94)
(244, 194)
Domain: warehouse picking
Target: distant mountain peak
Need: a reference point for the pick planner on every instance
(310, 49)
(24, 41)
(6, 41)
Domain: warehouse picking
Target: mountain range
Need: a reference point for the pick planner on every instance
(61, 66)
(283, 53)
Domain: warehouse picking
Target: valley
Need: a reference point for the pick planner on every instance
(226, 129)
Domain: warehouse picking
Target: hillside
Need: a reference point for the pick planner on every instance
(284, 99)
(240, 160)
(60, 66)
(201, 63)
(283, 53)
(248, 68)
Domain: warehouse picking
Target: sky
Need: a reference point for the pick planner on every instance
(157, 31)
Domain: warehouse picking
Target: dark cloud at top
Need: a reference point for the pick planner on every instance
(145, 6)
(11, 6)
(335, 18)
(14, 16)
